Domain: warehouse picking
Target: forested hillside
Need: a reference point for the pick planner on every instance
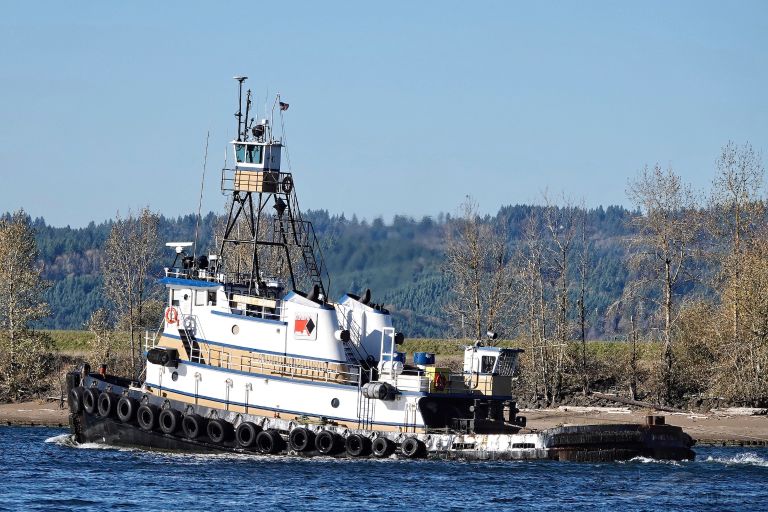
(402, 262)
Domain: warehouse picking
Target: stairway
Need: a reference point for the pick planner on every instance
(296, 231)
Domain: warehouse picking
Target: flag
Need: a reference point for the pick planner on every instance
(284, 106)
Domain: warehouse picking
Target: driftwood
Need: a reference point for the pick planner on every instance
(638, 403)
(740, 411)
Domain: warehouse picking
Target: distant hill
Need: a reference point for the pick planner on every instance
(399, 261)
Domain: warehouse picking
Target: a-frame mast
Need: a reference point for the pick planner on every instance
(255, 183)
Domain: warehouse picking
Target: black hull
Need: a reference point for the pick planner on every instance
(583, 443)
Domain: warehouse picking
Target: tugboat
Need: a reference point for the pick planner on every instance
(252, 356)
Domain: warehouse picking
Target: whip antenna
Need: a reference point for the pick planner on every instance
(200, 203)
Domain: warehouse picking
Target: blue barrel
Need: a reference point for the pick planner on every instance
(399, 356)
(423, 358)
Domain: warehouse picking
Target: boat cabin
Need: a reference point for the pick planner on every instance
(490, 370)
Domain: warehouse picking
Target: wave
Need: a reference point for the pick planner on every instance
(68, 441)
(649, 460)
(741, 459)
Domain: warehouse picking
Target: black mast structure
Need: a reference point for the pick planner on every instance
(256, 182)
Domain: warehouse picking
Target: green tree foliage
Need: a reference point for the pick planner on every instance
(401, 262)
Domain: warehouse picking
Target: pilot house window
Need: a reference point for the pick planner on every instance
(487, 363)
(253, 154)
(249, 153)
(211, 298)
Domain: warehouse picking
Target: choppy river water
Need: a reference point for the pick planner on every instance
(41, 470)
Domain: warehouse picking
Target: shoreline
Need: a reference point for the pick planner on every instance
(710, 429)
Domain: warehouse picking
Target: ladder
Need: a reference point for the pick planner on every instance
(294, 230)
(349, 352)
(353, 347)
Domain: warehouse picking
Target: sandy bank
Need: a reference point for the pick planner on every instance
(35, 414)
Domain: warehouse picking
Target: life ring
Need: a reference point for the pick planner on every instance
(287, 184)
(171, 315)
(439, 381)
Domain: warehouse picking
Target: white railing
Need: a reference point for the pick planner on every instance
(283, 366)
(150, 340)
(201, 275)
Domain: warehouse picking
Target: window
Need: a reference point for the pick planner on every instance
(240, 152)
(253, 154)
(200, 297)
(211, 298)
(507, 362)
(175, 297)
(487, 363)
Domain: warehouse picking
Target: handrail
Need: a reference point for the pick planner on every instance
(294, 367)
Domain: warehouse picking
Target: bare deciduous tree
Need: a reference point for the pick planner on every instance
(736, 210)
(561, 225)
(28, 355)
(131, 250)
(584, 266)
(478, 265)
(661, 248)
(531, 261)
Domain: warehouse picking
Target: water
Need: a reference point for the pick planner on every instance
(41, 470)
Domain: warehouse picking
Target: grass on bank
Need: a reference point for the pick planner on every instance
(69, 341)
(81, 340)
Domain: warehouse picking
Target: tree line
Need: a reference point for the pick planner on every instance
(400, 261)
(681, 276)
(696, 269)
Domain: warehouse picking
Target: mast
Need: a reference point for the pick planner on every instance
(239, 114)
(264, 216)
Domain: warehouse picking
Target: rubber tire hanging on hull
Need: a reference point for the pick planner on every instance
(382, 447)
(91, 400)
(246, 433)
(147, 415)
(76, 400)
(169, 420)
(358, 445)
(220, 431)
(301, 439)
(328, 443)
(106, 404)
(126, 409)
(413, 448)
(269, 442)
(193, 426)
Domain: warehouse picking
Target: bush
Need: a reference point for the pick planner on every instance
(29, 362)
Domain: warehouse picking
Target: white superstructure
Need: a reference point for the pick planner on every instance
(240, 335)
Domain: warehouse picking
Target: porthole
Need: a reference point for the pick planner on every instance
(235, 329)
(335, 403)
(175, 376)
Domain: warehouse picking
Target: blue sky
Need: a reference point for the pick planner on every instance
(396, 107)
